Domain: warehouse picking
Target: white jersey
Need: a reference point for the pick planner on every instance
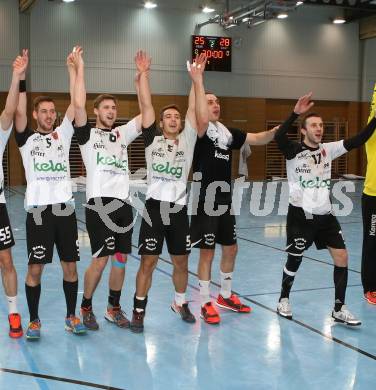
(105, 154)
(4, 136)
(46, 161)
(168, 163)
(309, 174)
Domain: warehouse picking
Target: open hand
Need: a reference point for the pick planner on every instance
(142, 61)
(197, 68)
(304, 104)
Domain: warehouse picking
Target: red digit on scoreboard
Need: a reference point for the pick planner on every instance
(224, 42)
(199, 40)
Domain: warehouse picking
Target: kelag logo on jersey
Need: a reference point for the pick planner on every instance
(316, 183)
(49, 166)
(112, 160)
(174, 171)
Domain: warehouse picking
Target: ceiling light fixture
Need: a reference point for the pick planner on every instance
(282, 15)
(339, 20)
(208, 9)
(149, 5)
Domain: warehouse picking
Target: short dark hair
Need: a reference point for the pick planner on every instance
(40, 99)
(209, 93)
(104, 96)
(303, 124)
(169, 107)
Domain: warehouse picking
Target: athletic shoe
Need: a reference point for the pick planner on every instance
(33, 330)
(233, 303)
(345, 317)
(117, 317)
(370, 297)
(184, 312)
(88, 319)
(15, 327)
(284, 308)
(137, 323)
(73, 324)
(210, 314)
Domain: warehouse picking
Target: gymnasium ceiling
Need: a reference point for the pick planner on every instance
(267, 9)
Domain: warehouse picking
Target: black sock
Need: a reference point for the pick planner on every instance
(291, 267)
(70, 292)
(32, 296)
(114, 298)
(340, 284)
(86, 303)
(140, 304)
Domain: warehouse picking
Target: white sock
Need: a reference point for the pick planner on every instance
(12, 304)
(226, 283)
(179, 298)
(204, 291)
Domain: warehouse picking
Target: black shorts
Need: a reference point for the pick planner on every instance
(302, 232)
(49, 225)
(6, 234)
(112, 232)
(207, 230)
(175, 230)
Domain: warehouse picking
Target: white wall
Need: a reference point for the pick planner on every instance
(283, 59)
(279, 59)
(369, 68)
(9, 38)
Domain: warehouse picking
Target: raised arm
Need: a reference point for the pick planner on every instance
(303, 105)
(198, 113)
(143, 61)
(79, 90)
(72, 82)
(6, 118)
(361, 138)
(21, 111)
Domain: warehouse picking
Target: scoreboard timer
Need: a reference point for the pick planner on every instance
(217, 50)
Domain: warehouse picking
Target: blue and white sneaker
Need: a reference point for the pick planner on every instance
(33, 330)
(73, 324)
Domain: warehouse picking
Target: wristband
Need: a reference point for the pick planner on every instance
(22, 87)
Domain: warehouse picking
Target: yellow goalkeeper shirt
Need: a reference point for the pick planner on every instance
(370, 182)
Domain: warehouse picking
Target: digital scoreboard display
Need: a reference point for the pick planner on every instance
(217, 50)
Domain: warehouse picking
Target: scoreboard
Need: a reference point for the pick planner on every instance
(217, 50)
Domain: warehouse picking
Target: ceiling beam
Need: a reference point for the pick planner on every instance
(367, 28)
